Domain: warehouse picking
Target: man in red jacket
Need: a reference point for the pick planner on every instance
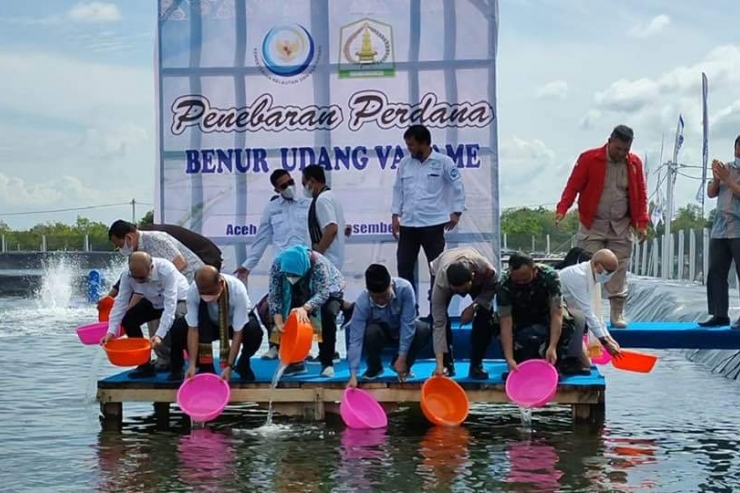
(612, 205)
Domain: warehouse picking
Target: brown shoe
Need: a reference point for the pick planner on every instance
(617, 313)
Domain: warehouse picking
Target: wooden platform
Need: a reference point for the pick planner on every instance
(311, 396)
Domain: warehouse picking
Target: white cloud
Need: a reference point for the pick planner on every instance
(15, 191)
(727, 120)
(557, 89)
(95, 12)
(650, 28)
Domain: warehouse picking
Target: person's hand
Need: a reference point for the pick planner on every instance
(191, 372)
(395, 226)
(558, 219)
(511, 364)
(642, 234)
(302, 315)
(242, 274)
(401, 368)
(452, 224)
(439, 370)
(279, 327)
(226, 374)
(612, 347)
(723, 172)
(715, 165)
(105, 339)
(551, 355)
(348, 230)
(156, 341)
(467, 314)
(352, 381)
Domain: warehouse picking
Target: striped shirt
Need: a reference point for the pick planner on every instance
(727, 221)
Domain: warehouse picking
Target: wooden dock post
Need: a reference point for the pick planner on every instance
(592, 412)
(162, 414)
(111, 415)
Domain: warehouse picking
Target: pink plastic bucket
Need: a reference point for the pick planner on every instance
(91, 334)
(203, 397)
(532, 384)
(360, 410)
(602, 359)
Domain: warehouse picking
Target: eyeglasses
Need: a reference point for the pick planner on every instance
(285, 185)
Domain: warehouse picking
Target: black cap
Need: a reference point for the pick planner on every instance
(377, 278)
(458, 274)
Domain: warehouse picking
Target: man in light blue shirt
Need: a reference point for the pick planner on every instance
(385, 314)
(284, 224)
(724, 245)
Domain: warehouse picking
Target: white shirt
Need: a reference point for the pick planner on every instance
(425, 194)
(163, 245)
(582, 292)
(164, 289)
(329, 211)
(284, 224)
(239, 304)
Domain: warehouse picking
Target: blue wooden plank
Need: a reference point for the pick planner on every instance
(264, 371)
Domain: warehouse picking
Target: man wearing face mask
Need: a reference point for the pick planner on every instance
(534, 324)
(385, 314)
(724, 243)
(326, 225)
(428, 198)
(218, 309)
(284, 224)
(162, 290)
(581, 285)
(612, 205)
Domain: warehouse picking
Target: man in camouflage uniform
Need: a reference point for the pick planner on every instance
(533, 322)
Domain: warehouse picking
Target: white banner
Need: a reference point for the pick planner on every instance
(249, 86)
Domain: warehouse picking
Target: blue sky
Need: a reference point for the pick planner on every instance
(77, 95)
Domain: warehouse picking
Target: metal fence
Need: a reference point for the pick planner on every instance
(32, 242)
(687, 259)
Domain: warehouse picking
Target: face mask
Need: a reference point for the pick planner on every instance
(737, 162)
(604, 276)
(209, 298)
(288, 193)
(293, 279)
(126, 249)
(144, 280)
(378, 305)
(308, 191)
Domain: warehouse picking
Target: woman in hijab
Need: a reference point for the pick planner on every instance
(304, 281)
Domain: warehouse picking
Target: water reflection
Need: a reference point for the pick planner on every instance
(207, 459)
(360, 452)
(533, 467)
(445, 456)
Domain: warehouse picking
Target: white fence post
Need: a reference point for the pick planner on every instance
(2, 243)
(547, 244)
(680, 254)
(644, 265)
(43, 243)
(86, 244)
(692, 255)
(656, 257)
(705, 256)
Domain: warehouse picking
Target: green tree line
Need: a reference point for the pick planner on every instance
(519, 224)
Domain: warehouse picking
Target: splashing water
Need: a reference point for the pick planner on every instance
(58, 283)
(526, 416)
(275, 379)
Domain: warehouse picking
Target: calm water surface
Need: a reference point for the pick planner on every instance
(674, 430)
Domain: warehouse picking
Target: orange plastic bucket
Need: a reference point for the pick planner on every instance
(128, 352)
(635, 361)
(295, 341)
(444, 402)
(104, 307)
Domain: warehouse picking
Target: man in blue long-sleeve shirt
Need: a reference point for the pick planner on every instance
(385, 314)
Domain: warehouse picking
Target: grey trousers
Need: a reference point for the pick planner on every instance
(722, 251)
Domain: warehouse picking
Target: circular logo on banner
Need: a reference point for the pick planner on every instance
(288, 50)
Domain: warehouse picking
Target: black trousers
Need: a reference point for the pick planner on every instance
(329, 312)
(209, 332)
(139, 314)
(410, 240)
(722, 251)
(378, 336)
(480, 334)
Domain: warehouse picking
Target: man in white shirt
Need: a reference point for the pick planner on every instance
(581, 286)
(219, 309)
(428, 198)
(326, 224)
(162, 291)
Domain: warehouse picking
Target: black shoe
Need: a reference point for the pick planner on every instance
(449, 364)
(246, 374)
(477, 372)
(372, 373)
(295, 369)
(715, 322)
(175, 376)
(146, 370)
